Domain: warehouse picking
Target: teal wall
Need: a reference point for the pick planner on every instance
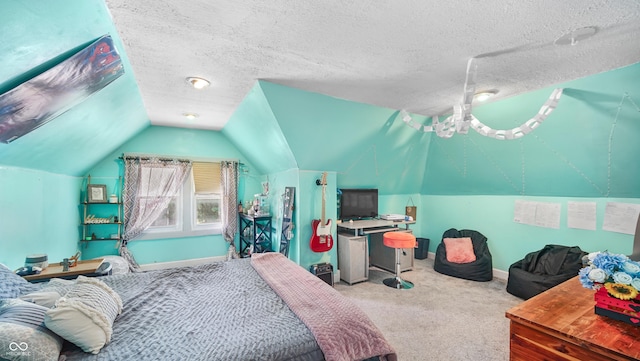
(395, 204)
(509, 241)
(173, 142)
(588, 147)
(254, 130)
(586, 150)
(277, 183)
(39, 34)
(367, 146)
(38, 214)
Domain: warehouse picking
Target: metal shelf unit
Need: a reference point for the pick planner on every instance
(255, 234)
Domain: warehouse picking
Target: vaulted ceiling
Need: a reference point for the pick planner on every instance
(394, 54)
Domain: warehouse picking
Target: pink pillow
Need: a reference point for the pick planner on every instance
(459, 250)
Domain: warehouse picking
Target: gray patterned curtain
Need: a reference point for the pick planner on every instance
(149, 185)
(229, 180)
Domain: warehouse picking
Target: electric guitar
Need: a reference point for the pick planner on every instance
(321, 239)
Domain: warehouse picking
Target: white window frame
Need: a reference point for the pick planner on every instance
(179, 220)
(194, 220)
(186, 225)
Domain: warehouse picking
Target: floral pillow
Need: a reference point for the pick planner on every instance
(459, 250)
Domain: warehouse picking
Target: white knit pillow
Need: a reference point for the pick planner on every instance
(85, 315)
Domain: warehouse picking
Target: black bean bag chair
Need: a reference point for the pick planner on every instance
(479, 270)
(543, 269)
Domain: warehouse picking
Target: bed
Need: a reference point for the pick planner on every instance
(260, 308)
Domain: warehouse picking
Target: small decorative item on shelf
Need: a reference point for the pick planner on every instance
(617, 281)
(113, 198)
(73, 260)
(91, 219)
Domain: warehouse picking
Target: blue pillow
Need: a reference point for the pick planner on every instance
(12, 285)
(23, 333)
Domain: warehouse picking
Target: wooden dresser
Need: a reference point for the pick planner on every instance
(560, 324)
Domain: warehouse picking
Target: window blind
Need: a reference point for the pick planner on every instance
(206, 177)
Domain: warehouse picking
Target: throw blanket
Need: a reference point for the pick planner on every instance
(343, 331)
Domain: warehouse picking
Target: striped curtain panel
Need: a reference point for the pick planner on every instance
(149, 185)
(229, 181)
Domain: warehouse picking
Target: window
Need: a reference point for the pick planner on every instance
(206, 194)
(196, 210)
(169, 218)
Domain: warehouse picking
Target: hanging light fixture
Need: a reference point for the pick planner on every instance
(462, 119)
(198, 83)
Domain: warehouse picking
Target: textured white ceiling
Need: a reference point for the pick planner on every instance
(396, 54)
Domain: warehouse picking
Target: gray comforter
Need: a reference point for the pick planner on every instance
(219, 311)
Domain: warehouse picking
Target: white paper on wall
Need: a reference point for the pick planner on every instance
(524, 212)
(621, 217)
(537, 213)
(548, 215)
(582, 215)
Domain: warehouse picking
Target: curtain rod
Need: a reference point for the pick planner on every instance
(161, 159)
(146, 156)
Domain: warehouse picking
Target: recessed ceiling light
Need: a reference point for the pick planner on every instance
(484, 95)
(574, 36)
(190, 116)
(198, 83)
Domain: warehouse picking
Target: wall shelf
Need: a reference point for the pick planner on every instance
(100, 220)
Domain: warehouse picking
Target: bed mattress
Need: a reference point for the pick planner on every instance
(218, 311)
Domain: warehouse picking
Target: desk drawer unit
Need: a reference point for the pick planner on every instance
(353, 258)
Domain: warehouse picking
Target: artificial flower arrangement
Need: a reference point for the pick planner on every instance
(616, 272)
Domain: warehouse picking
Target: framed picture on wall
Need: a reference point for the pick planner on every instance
(96, 193)
(39, 100)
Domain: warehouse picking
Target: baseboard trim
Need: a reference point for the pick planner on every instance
(182, 263)
(500, 274)
(497, 273)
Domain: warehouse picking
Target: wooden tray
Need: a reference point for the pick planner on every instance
(55, 270)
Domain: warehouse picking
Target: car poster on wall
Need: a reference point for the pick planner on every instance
(53, 92)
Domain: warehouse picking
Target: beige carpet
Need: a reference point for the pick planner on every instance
(441, 318)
